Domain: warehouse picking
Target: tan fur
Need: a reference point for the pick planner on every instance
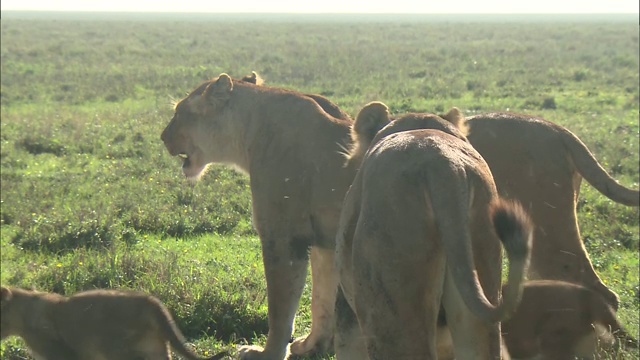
(326, 104)
(555, 320)
(555, 316)
(419, 225)
(291, 149)
(98, 324)
(375, 116)
(275, 123)
(541, 165)
(254, 78)
(456, 117)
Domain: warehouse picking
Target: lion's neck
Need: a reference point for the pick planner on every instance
(276, 123)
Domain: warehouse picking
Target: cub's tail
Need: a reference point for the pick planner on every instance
(173, 334)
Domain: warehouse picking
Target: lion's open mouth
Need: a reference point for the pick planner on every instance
(185, 159)
(192, 162)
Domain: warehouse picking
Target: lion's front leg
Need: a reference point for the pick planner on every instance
(325, 284)
(286, 270)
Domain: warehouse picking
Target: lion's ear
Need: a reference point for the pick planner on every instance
(456, 117)
(373, 117)
(5, 295)
(219, 89)
(254, 78)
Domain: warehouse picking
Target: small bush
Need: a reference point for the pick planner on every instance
(36, 145)
(549, 103)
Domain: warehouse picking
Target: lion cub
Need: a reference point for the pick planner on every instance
(556, 319)
(97, 324)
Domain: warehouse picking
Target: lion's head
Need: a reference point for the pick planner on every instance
(6, 323)
(373, 123)
(201, 131)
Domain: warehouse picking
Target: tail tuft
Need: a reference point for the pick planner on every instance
(514, 228)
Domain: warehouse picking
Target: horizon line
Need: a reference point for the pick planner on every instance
(312, 13)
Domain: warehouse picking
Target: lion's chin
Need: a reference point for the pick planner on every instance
(192, 172)
(193, 165)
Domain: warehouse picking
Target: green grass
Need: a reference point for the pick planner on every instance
(90, 197)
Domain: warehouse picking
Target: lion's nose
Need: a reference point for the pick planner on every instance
(163, 136)
(167, 143)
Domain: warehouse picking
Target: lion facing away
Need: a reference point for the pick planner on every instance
(97, 324)
(541, 165)
(291, 150)
(422, 223)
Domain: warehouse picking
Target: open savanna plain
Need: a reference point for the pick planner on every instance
(91, 199)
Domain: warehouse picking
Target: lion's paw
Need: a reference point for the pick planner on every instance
(302, 346)
(250, 352)
(255, 352)
(308, 345)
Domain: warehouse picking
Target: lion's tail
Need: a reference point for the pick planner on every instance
(172, 333)
(594, 173)
(515, 230)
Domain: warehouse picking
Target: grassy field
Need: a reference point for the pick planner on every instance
(91, 199)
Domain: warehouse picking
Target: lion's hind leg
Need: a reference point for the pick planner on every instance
(397, 306)
(472, 337)
(349, 342)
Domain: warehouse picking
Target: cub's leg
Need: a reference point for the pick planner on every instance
(149, 348)
(285, 266)
(324, 285)
(349, 342)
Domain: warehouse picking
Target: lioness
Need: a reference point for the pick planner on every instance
(291, 149)
(419, 226)
(540, 164)
(553, 319)
(234, 123)
(98, 324)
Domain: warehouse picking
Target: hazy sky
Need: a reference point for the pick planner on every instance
(334, 6)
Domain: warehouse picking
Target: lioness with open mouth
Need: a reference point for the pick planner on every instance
(292, 151)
